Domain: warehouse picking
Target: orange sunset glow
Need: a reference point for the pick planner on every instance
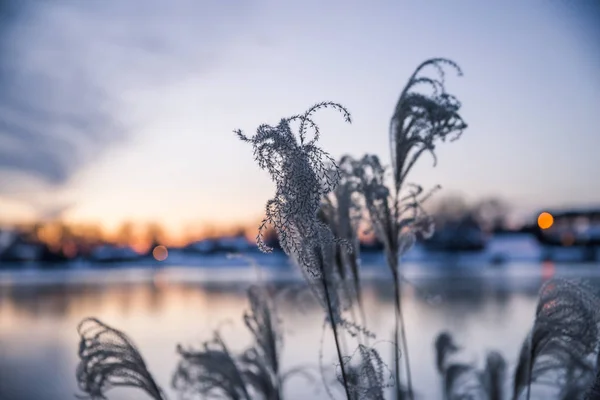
(72, 238)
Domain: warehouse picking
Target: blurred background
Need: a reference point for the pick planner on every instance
(123, 188)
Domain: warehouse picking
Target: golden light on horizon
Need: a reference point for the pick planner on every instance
(160, 253)
(545, 220)
(139, 235)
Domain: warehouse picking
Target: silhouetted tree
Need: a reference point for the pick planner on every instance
(491, 213)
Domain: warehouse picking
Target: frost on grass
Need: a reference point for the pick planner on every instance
(302, 174)
(109, 359)
(300, 171)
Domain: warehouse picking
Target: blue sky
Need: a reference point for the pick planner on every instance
(124, 110)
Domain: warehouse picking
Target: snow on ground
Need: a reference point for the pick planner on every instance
(508, 257)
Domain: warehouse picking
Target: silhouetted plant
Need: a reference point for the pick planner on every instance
(494, 376)
(368, 376)
(109, 359)
(255, 373)
(560, 352)
(463, 380)
(300, 170)
(316, 215)
(593, 392)
(457, 377)
(342, 212)
(419, 120)
(444, 348)
(563, 339)
(212, 371)
(395, 222)
(262, 321)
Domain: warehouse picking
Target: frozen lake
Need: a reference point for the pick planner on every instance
(486, 307)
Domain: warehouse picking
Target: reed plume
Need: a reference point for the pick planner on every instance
(216, 372)
(108, 359)
(301, 172)
(563, 340)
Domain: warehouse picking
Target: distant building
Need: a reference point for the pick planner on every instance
(107, 253)
(15, 248)
(572, 228)
(229, 244)
(464, 234)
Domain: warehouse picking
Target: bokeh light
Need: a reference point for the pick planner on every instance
(548, 270)
(160, 253)
(567, 239)
(545, 220)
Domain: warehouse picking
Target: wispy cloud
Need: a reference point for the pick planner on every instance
(66, 68)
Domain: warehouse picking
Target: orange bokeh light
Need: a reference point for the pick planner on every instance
(160, 253)
(545, 220)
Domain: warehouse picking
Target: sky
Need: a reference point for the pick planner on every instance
(115, 111)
